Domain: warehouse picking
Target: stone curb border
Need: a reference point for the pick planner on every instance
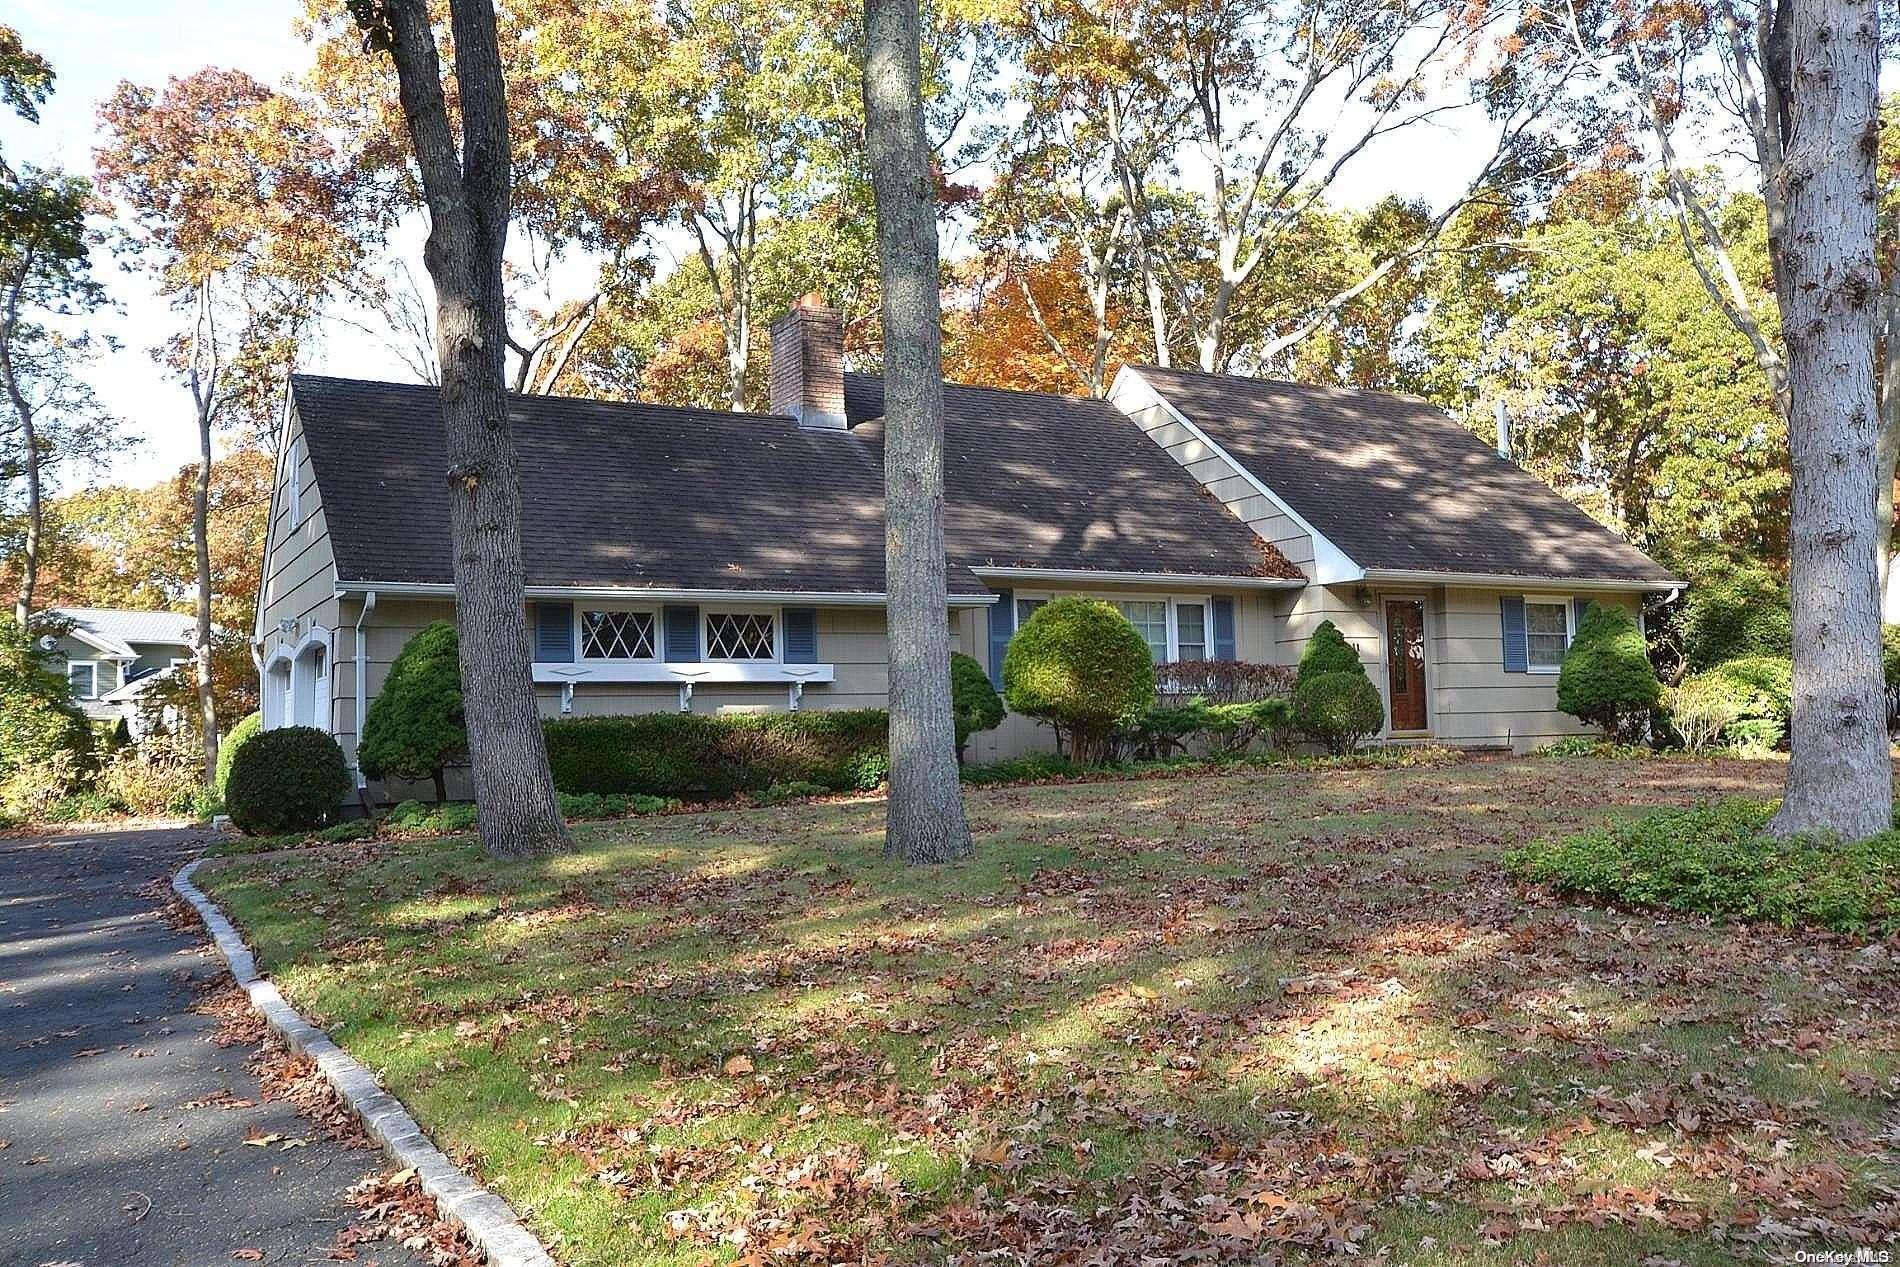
(490, 1222)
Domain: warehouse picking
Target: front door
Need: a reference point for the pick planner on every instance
(1405, 661)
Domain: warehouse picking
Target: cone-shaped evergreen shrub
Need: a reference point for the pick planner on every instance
(1334, 702)
(1327, 651)
(1078, 664)
(1607, 679)
(415, 726)
(974, 704)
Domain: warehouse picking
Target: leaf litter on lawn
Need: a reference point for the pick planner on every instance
(1261, 1017)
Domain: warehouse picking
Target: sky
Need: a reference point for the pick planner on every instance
(93, 44)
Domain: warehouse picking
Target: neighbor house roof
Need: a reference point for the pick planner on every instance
(1396, 484)
(114, 630)
(627, 495)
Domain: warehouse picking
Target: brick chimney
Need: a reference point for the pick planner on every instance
(808, 364)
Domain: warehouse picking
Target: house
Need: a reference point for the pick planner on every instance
(111, 656)
(718, 562)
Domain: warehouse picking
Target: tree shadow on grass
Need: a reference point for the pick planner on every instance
(1200, 1018)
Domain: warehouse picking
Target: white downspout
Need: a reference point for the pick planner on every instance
(362, 685)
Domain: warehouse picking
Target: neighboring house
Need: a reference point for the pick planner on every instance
(717, 562)
(111, 656)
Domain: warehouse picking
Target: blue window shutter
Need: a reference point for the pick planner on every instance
(801, 635)
(1224, 629)
(1002, 629)
(554, 633)
(681, 633)
(1517, 657)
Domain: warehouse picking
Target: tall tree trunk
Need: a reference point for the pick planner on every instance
(201, 548)
(1840, 777)
(925, 820)
(29, 439)
(467, 196)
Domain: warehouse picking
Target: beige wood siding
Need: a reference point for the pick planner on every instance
(1234, 490)
(1473, 699)
(300, 567)
(1470, 698)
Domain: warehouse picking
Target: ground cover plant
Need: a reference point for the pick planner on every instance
(1714, 860)
(1283, 1014)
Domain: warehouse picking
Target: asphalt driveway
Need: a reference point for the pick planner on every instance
(119, 1144)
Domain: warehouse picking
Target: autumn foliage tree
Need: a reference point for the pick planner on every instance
(233, 204)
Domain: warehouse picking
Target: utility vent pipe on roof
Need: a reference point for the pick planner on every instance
(808, 365)
(1504, 432)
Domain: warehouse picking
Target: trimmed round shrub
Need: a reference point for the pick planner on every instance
(415, 726)
(1078, 664)
(974, 704)
(1338, 709)
(286, 780)
(1606, 679)
(241, 734)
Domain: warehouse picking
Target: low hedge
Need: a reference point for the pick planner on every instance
(684, 754)
(1714, 860)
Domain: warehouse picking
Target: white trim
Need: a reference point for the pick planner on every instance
(1087, 577)
(360, 652)
(109, 647)
(635, 594)
(1171, 600)
(95, 694)
(1503, 580)
(776, 614)
(604, 606)
(1569, 603)
(1331, 565)
(284, 416)
(681, 672)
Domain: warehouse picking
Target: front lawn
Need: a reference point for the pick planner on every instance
(1275, 1015)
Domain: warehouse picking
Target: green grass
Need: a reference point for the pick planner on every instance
(1223, 1014)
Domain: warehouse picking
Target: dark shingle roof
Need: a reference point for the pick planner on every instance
(1395, 483)
(617, 494)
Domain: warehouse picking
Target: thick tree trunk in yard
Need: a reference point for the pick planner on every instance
(467, 197)
(1840, 777)
(925, 820)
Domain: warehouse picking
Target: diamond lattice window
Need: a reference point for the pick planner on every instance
(739, 636)
(617, 635)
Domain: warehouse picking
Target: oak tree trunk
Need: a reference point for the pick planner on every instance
(1840, 777)
(467, 197)
(924, 820)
